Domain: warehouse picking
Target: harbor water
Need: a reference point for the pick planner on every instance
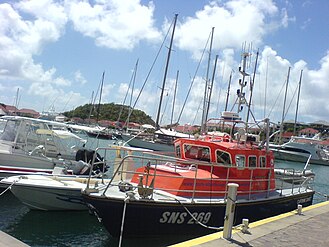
(39, 228)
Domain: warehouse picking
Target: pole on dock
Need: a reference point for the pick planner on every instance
(230, 209)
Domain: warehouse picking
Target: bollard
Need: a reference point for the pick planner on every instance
(299, 209)
(245, 226)
(230, 208)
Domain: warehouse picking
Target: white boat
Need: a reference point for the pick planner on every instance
(162, 140)
(29, 145)
(50, 192)
(299, 149)
(58, 191)
(163, 196)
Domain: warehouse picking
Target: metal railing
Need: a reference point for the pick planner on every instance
(199, 184)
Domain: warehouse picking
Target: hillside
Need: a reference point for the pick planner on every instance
(110, 112)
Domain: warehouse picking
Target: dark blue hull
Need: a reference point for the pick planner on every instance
(150, 218)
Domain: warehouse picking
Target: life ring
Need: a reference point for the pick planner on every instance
(226, 138)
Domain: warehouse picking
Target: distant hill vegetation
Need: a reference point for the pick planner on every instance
(110, 112)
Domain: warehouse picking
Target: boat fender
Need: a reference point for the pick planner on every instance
(81, 167)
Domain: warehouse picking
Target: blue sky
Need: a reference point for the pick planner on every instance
(56, 51)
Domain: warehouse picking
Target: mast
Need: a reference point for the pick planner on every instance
(207, 88)
(173, 104)
(16, 100)
(251, 89)
(131, 95)
(100, 96)
(241, 94)
(299, 86)
(210, 91)
(228, 91)
(165, 74)
(91, 106)
(284, 107)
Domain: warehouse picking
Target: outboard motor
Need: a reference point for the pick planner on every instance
(86, 156)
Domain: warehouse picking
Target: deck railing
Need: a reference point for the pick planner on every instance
(253, 182)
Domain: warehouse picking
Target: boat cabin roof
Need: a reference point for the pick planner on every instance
(224, 152)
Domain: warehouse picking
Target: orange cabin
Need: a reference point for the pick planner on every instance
(223, 163)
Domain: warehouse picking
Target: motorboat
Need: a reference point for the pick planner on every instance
(29, 145)
(49, 192)
(60, 191)
(300, 148)
(186, 195)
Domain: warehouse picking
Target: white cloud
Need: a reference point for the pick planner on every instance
(21, 39)
(235, 22)
(114, 24)
(285, 18)
(306, 24)
(79, 77)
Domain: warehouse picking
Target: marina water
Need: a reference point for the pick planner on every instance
(39, 228)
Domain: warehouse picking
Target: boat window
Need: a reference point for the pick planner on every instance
(223, 157)
(240, 161)
(262, 161)
(9, 132)
(252, 161)
(177, 148)
(197, 152)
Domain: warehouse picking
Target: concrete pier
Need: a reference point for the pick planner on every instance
(9, 241)
(310, 228)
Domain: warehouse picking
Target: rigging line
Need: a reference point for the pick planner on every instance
(276, 100)
(265, 96)
(165, 107)
(193, 80)
(130, 82)
(100, 96)
(221, 79)
(130, 109)
(152, 66)
(293, 96)
(197, 111)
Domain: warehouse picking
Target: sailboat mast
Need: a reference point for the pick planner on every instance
(206, 89)
(228, 91)
(16, 100)
(210, 91)
(131, 95)
(165, 73)
(100, 96)
(299, 86)
(284, 107)
(173, 103)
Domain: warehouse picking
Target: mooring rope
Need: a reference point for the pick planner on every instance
(123, 218)
(9, 187)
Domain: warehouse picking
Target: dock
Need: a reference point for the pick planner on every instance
(7, 240)
(310, 228)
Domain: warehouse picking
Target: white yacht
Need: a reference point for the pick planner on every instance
(29, 145)
(300, 149)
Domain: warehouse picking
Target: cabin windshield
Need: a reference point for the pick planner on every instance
(9, 131)
(178, 154)
(262, 161)
(240, 161)
(252, 161)
(223, 157)
(197, 152)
